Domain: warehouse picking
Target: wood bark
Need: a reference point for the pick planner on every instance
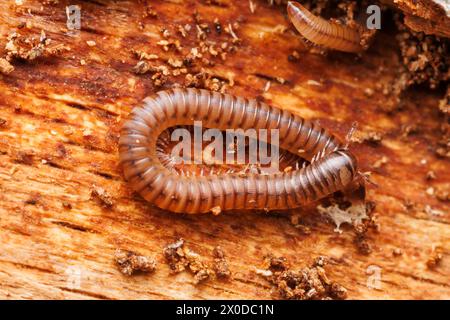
(58, 142)
(429, 16)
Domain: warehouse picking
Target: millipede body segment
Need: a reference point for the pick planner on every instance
(322, 32)
(332, 171)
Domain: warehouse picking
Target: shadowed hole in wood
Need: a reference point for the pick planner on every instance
(216, 3)
(96, 2)
(73, 226)
(27, 266)
(271, 78)
(77, 106)
(52, 164)
(105, 175)
(86, 293)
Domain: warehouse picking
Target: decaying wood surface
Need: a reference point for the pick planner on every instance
(65, 208)
(429, 16)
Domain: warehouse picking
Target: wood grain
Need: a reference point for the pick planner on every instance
(58, 141)
(429, 16)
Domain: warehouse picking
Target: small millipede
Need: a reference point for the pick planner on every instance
(332, 166)
(322, 32)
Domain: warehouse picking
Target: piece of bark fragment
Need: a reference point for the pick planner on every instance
(174, 256)
(130, 262)
(141, 67)
(181, 258)
(5, 66)
(337, 291)
(372, 137)
(31, 47)
(221, 267)
(102, 196)
(308, 283)
(360, 239)
(435, 258)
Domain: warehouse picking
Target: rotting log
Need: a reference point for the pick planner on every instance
(429, 16)
(60, 116)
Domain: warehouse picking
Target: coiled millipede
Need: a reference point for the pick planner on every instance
(322, 32)
(332, 167)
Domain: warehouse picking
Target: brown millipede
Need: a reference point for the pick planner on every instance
(322, 32)
(333, 170)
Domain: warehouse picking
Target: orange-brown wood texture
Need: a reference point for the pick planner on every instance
(61, 114)
(429, 16)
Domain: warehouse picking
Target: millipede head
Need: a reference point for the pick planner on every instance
(355, 193)
(347, 164)
(364, 177)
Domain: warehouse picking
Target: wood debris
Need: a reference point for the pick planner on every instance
(425, 57)
(5, 66)
(130, 262)
(221, 267)
(435, 257)
(181, 258)
(31, 48)
(308, 283)
(204, 52)
(372, 137)
(106, 200)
